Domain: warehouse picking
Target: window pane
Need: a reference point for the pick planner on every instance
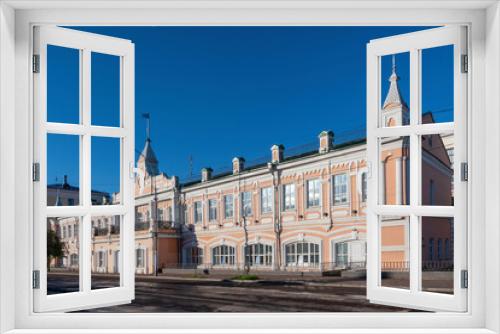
(63, 255)
(106, 252)
(437, 254)
(437, 85)
(340, 189)
(63, 85)
(105, 170)
(105, 97)
(395, 251)
(394, 171)
(437, 169)
(63, 170)
(395, 98)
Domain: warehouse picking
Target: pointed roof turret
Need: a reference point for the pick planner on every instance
(394, 98)
(148, 159)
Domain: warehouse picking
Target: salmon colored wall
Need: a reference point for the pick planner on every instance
(393, 235)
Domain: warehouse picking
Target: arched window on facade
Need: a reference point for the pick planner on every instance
(302, 254)
(223, 255)
(259, 255)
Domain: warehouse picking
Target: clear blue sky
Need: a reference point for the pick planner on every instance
(218, 92)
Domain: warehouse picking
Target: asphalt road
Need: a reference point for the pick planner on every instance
(207, 295)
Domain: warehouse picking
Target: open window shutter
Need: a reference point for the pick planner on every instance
(50, 214)
(408, 265)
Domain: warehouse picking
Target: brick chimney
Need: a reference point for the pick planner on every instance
(238, 165)
(277, 153)
(206, 174)
(325, 141)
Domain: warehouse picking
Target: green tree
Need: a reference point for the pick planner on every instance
(55, 248)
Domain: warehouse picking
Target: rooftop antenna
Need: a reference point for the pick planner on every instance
(393, 63)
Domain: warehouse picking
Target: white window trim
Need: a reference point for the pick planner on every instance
(483, 123)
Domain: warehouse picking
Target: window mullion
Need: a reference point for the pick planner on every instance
(415, 167)
(86, 177)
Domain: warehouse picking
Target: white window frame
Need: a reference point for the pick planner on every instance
(226, 216)
(246, 203)
(198, 216)
(334, 186)
(292, 195)
(213, 217)
(267, 199)
(15, 105)
(316, 193)
(414, 42)
(136, 252)
(86, 43)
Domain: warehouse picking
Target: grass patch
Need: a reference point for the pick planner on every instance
(249, 277)
(198, 276)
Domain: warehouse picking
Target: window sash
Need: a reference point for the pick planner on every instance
(212, 209)
(340, 189)
(313, 193)
(414, 43)
(289, 196)
(228, 206)
(223, 255)
(266, 195)
(302, 254)
(246, 204)
(198, 212)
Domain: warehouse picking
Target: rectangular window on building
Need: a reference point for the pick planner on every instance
(139, 258)
(170, 214)
(228, 206)
(246, 203)
(313, 193)
(340, 189)
(289, 196)
(341, 254)
(431, 249)
(101, 259)
(160, 215)
(198, 212)
(212, 209)
(432, 192)
(266, 198)
(364, 189)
